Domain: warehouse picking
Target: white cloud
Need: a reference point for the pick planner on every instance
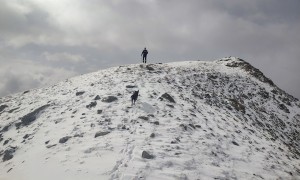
(63, 57)
(22, 75)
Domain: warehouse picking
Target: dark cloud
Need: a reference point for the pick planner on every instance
(77, 36)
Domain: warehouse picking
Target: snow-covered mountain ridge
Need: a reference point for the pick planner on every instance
(219, 119)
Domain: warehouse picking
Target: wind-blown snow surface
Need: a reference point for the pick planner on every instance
(227, 121)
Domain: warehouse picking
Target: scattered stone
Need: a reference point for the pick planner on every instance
(47, 142)
(235, 143)
(109, 99)
(92, 104)
(64, 139)
(18, 125)
(97, 98)
(146, 155)
(99, 111)
(192, 126)
(26, 136)
(101, 133)
(80, 93)
(150, 115)
(5, 128)
(29, 118)
(78, 135)
(50, 146)
(2, 107)
(124, 127)
(198, 126)
(131, 86)
(92, 84)
(238, 106)
(170, 105)
(9, 170)
(167, 97)
(284, 108)
(5, 142)
(149, 68)
(152, 135)
(8, 153)
(12, 110)
(26, 92)
(156, 123)
(144, 118)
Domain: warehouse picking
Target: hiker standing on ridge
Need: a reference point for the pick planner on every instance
(144, 54)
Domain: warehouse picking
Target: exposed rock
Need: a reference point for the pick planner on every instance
(64, 139)
(156, 122)
(167, 97)
(80, 93)
(50, 146)
(144, 118)
(284, 108)
(170, 105)
(152, 135)
(12, 110)
(79, 135)
(29, 118)
(149, 68)
(97, 98)
(92, 104)
(26, 136)
(9, 153)
(5, 128)
(26, 92)
(131, 86)
(2, 107)
(238, 106)
(99, 111)
(18, 124)
(109, 99)
(47, 142)
(101, 133)
(146, 155)
(251, 70)
(235, 143)
(5, 142)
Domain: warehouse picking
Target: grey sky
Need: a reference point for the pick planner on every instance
(45, 41)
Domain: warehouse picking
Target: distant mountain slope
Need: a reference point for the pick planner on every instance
(193, 120)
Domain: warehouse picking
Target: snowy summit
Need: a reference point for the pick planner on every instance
(219, 119)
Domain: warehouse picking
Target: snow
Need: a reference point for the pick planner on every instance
(201, 136)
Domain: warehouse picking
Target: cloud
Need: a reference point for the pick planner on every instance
(80, 36)
(20, 76)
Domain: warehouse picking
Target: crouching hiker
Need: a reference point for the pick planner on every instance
(134, 97)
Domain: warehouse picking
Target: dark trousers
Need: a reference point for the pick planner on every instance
(144, 58)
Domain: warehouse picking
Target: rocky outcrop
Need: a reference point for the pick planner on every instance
(30, 117)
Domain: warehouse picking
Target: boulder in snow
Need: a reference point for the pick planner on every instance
(97, 98)
(101, 133)
(167, 97)
(147, 155)
(79, 93)
(29, 118)
(92, 104)
(109, 99)
(2, 107)
(64, 139)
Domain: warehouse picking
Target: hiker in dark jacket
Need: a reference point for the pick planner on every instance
(144, 54)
